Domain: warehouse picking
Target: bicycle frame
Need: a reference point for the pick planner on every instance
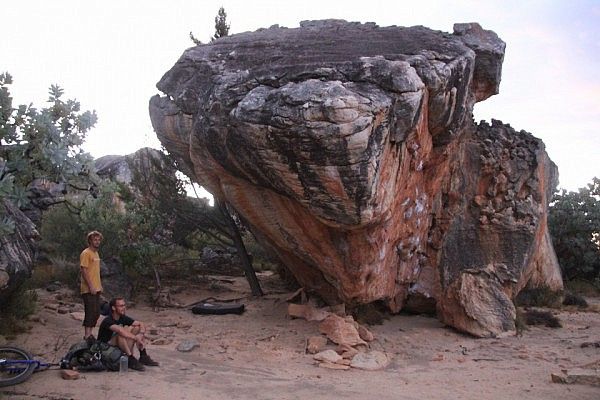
(16, 366)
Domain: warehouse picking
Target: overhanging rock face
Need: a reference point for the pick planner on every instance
(351, 152)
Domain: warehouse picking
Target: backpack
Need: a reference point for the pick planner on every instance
(81, 357)
(108, 355)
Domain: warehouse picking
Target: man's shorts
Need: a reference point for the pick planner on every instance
(91, 307)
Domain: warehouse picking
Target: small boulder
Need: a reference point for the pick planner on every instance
(77, 315)
(371, 361)
(315, 344)
(365, 334)
(340, 331)
(69, 374)
(328, 356)
(307, 311)
(187, 345)
(578, 375)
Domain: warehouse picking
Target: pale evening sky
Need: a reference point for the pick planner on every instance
(109, 55)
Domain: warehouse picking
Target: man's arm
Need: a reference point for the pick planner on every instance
(126, 333)
(141, 325)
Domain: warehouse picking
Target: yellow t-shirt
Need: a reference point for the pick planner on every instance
(90, 260)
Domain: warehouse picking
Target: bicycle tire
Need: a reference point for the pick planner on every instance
(15, 373)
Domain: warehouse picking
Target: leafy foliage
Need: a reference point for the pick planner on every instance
(574, 222)
(42, 145)
(221, 25)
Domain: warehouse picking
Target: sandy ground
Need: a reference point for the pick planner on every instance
(261, 355)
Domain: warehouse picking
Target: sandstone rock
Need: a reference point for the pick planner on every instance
(187, 345)
(578, 375)
(347, 352)
(77, 315)
(340, 331)
(329, 365)
(17, 251)
(307, 311)
(328, 355)
(69, 374)
(315, 344)
(353, 156)
(162, 341)
(371, 361)
(365, 334)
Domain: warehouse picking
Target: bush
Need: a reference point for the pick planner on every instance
(15, 310)
(574, 223)
(539, 297)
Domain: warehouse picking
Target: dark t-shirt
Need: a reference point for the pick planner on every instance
(104, 332)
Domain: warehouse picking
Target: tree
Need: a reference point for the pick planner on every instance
(221, 25)
(574, 222)
(40, 146)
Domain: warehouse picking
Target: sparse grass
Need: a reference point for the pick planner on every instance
(572, 299)
(538, 317)
(59, 269)
(539, 297)
(583, 288)
(14, 311)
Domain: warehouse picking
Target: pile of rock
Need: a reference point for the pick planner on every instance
(352, 339)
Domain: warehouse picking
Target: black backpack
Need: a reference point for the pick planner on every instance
(81, 357)
(108, 355)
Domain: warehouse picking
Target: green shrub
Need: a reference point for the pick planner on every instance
(539, 297)
(15, 310)
(574, 223)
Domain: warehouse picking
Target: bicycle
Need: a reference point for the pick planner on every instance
(17, 365)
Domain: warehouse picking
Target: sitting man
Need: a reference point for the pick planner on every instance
(117, 329)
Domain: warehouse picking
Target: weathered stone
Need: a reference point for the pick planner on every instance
(187, 345)
(371, 361)
(352, 154)
(307, 311)
(340, 331)
(77, 315)
(578, 375)
(315, 344)
(347, 352)
(17, 251)
(365, 334)
(69, 374)
(336, 366)
(162, 341)
(327, 355)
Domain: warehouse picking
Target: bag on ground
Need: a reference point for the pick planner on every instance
(108, 355)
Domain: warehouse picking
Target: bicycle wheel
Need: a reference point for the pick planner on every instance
(15, 366)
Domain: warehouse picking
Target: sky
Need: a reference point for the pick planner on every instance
(109, 55)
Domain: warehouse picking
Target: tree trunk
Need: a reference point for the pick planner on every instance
(241, 249)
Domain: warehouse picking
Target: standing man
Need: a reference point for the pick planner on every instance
(91, 286)
(117, 329)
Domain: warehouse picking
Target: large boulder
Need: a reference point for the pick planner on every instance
(351, 152)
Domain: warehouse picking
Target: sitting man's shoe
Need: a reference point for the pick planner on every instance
(146, 360)
(135, 364)
(90, 340)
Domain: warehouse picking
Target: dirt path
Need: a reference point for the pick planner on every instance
(260, 355)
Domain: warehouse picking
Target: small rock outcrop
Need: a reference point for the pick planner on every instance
(350, 151)
(17, 251)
